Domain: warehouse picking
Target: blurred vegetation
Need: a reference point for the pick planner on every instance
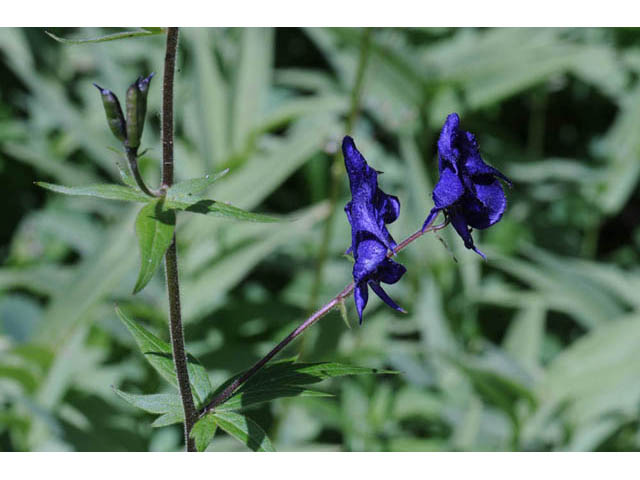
(537, 349)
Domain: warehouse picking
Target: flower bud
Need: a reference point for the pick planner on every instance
(136, 110)
(115, 118)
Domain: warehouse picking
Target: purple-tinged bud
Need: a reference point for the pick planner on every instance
(137, 110)
(115, 118)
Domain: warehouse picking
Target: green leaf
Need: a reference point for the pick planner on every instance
(495, 388)
(158, 354)
(343, 313)
(253, 77)
(289, 373)
(154, 226)
(193, 186)
(211, 122)
(167, 404)
(108, 38)
(169, 418)
(245, 430)
(286, 378)
(154, 403)
(219, 209)
(203, 432)
(107, 191)
(244, 399)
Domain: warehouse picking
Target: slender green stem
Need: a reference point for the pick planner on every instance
(171, 257)
(337, 169)
(132, 157)
(317, 315)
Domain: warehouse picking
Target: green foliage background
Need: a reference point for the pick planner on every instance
(537, 349)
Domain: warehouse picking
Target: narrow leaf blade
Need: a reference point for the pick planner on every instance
(107, 38)
(107, 191)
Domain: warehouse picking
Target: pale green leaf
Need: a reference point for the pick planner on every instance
(193, 186)
(220, 209)
(244, 430)
(107, 191)
(108, 38)
(203, 432)
(154, 403)
(253, 77)
(154, 227)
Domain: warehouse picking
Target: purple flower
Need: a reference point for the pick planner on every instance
(468, 191)
(368, 212)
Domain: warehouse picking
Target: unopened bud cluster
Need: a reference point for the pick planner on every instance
(128, 131)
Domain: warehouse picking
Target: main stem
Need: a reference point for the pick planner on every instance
(317, 315)
(336, 166)
(171, 257)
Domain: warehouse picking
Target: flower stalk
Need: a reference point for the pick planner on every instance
(224, 395)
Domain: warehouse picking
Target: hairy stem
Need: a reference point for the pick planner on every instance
(167, 106)
(171, 257)
(317, 315)
(337, 169)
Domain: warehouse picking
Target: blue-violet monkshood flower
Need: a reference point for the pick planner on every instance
(368, 212)
(468, 190)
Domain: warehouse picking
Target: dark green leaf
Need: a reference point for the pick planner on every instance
(154, 226)
(286, 378)
(158, 354)
(193, 186)
(288, 374)
(203, 432)
(245, 430)
(108, 191)
(244, 399)
(108, 38)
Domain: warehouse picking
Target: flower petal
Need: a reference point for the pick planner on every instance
(368, 254)
(448, 190)
(459, 222)
(390, 271)
(447, 147)
(388, 207)
(385, 298)
(474, 167)
(493, 203)
(361, 296)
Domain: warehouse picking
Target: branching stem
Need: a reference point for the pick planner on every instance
(317, 315)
